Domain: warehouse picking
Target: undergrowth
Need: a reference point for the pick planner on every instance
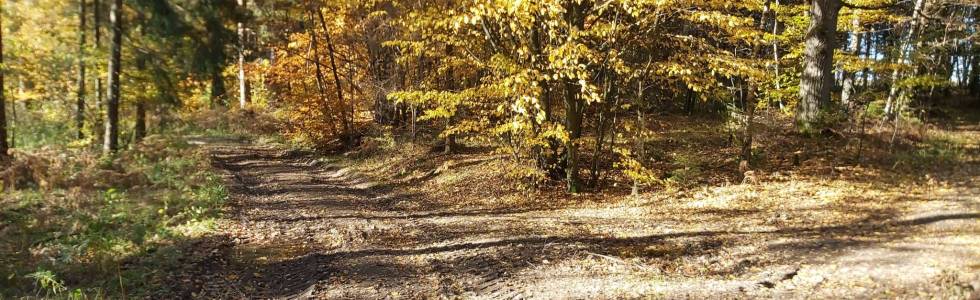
(74, 225)
(232, 124)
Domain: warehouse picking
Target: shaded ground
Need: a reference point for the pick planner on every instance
(300, 227)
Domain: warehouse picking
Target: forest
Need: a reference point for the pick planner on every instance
(489, 149)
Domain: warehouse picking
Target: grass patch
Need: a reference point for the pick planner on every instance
(935, 150)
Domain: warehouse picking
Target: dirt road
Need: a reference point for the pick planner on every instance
(300, 228)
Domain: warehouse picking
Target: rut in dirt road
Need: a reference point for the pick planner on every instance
(298, 221)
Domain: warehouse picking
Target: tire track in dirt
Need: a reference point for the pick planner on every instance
(274, 192)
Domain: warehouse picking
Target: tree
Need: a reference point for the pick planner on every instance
(974, 75)
(97, 14)
(575, 14)
(139, 126)
(111, 143)
(906, 48)
(853, 46)
(379, 31)
(244, 87)
(321, 71)
(817, 78)
(3, 101)
(80, 103)
(346, 119)
(212, 39)
(537, 76)
(543, 79)
(315, 48)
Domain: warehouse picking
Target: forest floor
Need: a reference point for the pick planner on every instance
(300, 226)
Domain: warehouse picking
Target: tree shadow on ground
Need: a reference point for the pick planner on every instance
(500, 257)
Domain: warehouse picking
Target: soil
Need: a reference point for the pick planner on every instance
(298, 227)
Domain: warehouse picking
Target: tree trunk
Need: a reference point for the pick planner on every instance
(111, 143)
(12, 127)
(749, 130)
(640, 126)
(218, 89)
(964, 75)
(573, 126)
(818, 61)
(905, 50)
(975, 76)
(865, 77)
(3, 101)
(99, 88)
(352, 109)
(382, 67)
(80, 103)
(244, 87)
(849, 77)
(347, 121)
(775, 51)
(450, 86)
(139, 126)
(574, 108)
(320, 84)
(139, 130)
(601, 126)
(750, 100)
(545, 157)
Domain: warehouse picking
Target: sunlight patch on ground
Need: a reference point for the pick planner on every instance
(796, 195)
(196, 228)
